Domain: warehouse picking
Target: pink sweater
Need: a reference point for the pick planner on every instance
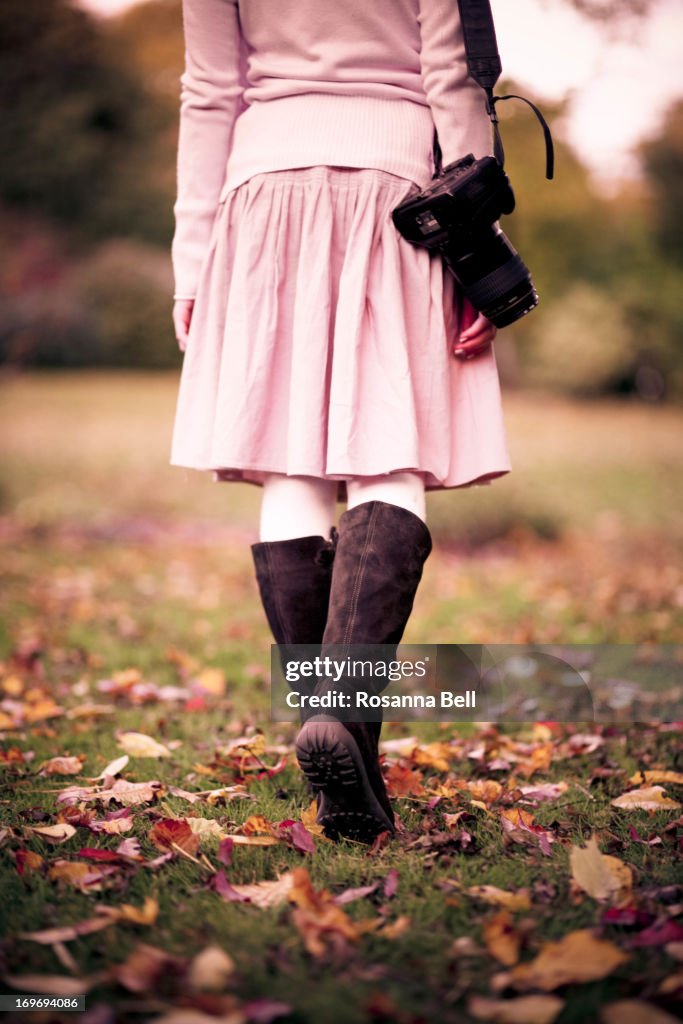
(275, 84)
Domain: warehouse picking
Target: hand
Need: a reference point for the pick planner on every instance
(477, 336)
(182, 315)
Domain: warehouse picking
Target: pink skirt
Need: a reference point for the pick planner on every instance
(320, 343)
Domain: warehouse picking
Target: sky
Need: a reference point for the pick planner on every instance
(619, 85)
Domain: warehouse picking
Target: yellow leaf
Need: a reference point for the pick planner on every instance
(395, 929)
(212, 680)
(501, 938)
(254, 840)
(71, 871)
(601, 876)
(499, 897)
(137, 744)
(206, 828)
(522, 1010)
(147, 914)
(649, 798)
(578, 957)
(675, 778)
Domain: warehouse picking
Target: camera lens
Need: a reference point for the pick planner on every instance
(493, 277)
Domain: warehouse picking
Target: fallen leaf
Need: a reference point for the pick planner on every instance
(52, 984)
(500, 897)
(652, 777)
(603, 877)
(168, 833)
(210, 970)
(521, 1010)
(577, 957)
(266, 894)
(633, 1011)
(27, 861)
(52, 833)
(395, 929)
(206, 828)
(649, 798)
(62, 766)
(501, 938)
(137, 744)
(113, 768)
(317, 917)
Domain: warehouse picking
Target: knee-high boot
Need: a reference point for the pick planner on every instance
(381, 551)
(294, 579)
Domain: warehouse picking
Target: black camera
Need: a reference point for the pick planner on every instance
(457, 214)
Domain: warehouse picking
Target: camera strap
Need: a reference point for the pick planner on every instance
(484, 66)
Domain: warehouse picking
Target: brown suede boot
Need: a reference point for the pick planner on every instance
(294, 579)
(381, 551)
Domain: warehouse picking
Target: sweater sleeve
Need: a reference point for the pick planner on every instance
(211, 98)
(457, 103)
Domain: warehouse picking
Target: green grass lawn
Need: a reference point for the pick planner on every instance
(113, 561)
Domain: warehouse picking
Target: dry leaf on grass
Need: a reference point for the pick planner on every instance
(138, 744)
(633, 1011)
(52, 833)
(649, 798)
(62, 766)
(501, 938)
(53, 984)
(210, 970)
(603, 877)
(578, 957)
(499, 897)
(170, 833)
(655, 776)
(318, 919)
(522, 1010)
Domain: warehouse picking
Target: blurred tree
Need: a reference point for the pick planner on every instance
(76, 121)
(662, 158)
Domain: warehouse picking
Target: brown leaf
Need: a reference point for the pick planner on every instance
(62, 766)
(52, 833)
(210, 970)
(52, 984)
(652, 777)
(633, 1011)
(27, 861)
(577, 957)
(317, 917)
(170, 832)
(501, 938)
(145, 965)
(403, 782)
(522, 1010)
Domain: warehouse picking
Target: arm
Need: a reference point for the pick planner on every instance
(211, 98)
(457, 103)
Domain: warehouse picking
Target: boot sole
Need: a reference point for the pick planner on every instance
(331, 761)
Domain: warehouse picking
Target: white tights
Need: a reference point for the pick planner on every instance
(304, 506)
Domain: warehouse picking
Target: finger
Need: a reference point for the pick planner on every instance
(479, 326)
(479, 344)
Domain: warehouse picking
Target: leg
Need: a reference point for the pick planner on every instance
(381, 550)
(293, 559)
(296, 506)
(407, 490)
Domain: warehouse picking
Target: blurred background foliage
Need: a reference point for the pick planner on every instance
(89, 109)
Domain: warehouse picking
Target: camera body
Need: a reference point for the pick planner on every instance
(457, 214)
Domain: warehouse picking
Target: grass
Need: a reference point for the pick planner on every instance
(114, 560)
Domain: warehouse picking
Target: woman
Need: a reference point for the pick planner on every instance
(326, 358)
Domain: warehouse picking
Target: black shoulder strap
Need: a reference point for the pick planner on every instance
(484, 66)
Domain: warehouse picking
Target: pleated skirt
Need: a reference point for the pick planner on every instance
(321, 343)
